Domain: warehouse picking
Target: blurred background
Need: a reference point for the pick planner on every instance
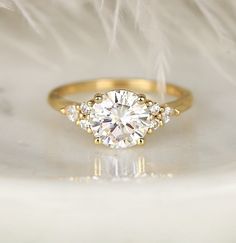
(55, 184)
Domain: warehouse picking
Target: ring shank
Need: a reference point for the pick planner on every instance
(58, 101)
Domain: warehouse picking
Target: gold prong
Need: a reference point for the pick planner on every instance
(149, 103)
(82, 116)
(152, 117)
(63, 111)
(77, 107)
(150, 130)
(176, 112)
(97, 141)
(141, 141)
(98, 98)
(161, 124)
(89, 130)
(141, 98)
(78, 122)
(162, 109)
(90, 103)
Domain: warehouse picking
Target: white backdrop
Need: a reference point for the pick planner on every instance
(179, 187)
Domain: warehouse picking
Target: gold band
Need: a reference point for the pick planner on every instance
(58, 101)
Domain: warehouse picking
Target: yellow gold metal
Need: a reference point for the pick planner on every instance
(149, 130)
(89, 130)
(98, 98)
(63, 111)
(161, 123)
(176, 112)
(58, 101)
(82, 116)
(141, 141)
(152, 117)
(97, 141)
(149, 103)
(162, 109)
(90, 103)
(141, 98)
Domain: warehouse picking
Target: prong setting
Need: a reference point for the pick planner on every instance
(150, 131)
(63, 111)
(91, 118)
(98, 98)
(161, 124)
(141, 98)
(162, 109)
(82, 116)
(140, 141)
(97, 141)
(89, 130)
(149, 103)
(90, 103)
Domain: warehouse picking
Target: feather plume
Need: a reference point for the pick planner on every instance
(147, 32)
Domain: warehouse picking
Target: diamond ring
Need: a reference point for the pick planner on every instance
(118, 115)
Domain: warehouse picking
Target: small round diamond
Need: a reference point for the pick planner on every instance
(155, 108)
(72, 113)
(85, 109)
(84, 124)
(166, 119)
(120, 121)
(155, 124)
(168, 112)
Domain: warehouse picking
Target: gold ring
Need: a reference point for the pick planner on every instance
(118, 115)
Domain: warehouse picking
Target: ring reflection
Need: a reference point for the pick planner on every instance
(120, 166)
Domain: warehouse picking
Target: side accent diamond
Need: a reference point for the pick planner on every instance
(155, 108)
(72, 113)
(168, 112)
(84, 124)
(155, 124)
(85, 109)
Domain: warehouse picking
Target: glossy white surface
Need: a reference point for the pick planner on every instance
(48, 195)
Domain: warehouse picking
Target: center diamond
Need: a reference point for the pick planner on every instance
(119, 120)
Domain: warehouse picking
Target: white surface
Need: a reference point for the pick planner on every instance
(47, 192)
(46, 197)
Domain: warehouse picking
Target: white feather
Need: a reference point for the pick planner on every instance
(147, 31)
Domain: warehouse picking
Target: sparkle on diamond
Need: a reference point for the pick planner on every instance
(119, 120)
(168, 112)
(84, 108)
(155, 108)
(84, 124)
(72, 113)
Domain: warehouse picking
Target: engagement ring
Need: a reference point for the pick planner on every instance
(119, 115)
